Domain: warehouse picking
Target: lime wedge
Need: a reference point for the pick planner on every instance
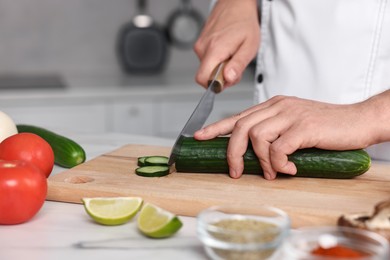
(156, 222)
(112, 211)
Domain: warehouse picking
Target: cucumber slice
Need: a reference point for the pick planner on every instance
(152, 171)
(141, 160)
(156, 160)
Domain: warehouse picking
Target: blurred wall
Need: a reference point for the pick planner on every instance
(76, 36)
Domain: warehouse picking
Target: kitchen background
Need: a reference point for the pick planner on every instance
(59, 68)
(77, 37)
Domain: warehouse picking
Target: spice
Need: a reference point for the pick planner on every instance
(337, 251)
(245, 231)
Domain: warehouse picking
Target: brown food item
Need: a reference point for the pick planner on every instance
(378, 221)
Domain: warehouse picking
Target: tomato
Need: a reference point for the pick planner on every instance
(31, 148)
(23, 190)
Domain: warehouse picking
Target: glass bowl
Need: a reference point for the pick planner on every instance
(242, 232)
(306, 243)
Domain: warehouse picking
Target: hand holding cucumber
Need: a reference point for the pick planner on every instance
(282, 125)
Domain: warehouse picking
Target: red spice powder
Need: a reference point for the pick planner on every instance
(337, 251)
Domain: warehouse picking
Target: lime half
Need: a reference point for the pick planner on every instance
(156, 222)
(112, 211)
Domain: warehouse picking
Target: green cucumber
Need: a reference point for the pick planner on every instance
(152, 171)
(152, 160)
(210, 157)
(156, 160)
(67, 153)
(141, 160)
(152, 166)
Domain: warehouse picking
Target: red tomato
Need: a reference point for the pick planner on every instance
(28, 147)
(23, 190)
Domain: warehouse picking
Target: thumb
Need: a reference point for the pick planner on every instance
(232, 73)
(237, 64)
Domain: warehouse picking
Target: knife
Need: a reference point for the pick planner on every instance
(202, 110)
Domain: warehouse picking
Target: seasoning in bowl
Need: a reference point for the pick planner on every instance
(235, 233)
(337, 251)
(332, 243)
(328, 247)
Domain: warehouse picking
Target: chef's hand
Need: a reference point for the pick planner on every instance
(281, 125)
(231, 31)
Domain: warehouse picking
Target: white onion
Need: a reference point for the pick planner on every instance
(7, 126)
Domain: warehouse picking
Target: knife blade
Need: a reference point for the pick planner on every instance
(202, 110)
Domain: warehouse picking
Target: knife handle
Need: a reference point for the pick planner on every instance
(216, 80)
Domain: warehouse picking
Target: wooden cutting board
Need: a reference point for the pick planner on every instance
(308, 201)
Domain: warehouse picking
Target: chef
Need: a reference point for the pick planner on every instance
(323, 77)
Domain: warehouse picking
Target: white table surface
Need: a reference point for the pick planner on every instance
(65, 231)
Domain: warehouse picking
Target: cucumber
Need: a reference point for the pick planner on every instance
(152, 160)
(141, 160)
(152, 171)
(210, 157)
(152, 166)
(156, 160)
(67, 153)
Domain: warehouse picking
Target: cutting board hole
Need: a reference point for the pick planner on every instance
(79, 179)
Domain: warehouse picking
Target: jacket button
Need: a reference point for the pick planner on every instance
(260, 78)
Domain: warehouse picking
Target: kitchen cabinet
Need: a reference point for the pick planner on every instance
(158, 110)
(82, 117)
(165, 114)
(133, 117)
(174, 114)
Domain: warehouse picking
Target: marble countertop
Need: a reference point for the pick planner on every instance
(64, 231)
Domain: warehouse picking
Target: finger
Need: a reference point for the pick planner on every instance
(239, 61)
(279, 158)
(222, 127)
(226, 126)
(262, 136)
(209, 30)
(290, 141)
(261, 143)
(238, 142)
(200, 44)
(212, 58)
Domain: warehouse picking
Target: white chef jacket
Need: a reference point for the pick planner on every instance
(335, 51)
